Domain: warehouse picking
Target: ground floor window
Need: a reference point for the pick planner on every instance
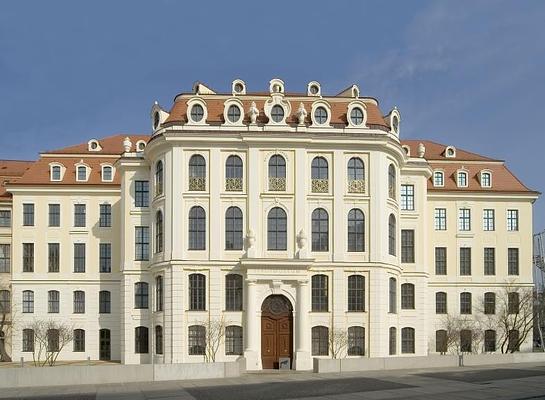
(407, 340)
(52, 340)
(465, 340)
(158, 339)
(141, 340)
(489, 340)
(393, 341)
(28, 340)
(320, 341)
(197, 340)
(233, 340)
(79, 340)
(356, 341)
(441, 341)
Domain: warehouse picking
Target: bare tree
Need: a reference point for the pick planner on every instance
(215, 334)
(539, 317)
(515, 317)
(338, 342)
(7, 316)
(50, 338)
(455, 327)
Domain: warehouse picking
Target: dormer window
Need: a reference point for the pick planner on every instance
(320, 115)
(140, 145)
(356, 116)
(56, 172)
(233, 113)
(93, 145)
(462, 178)
(406, 149)
(438, 179)
(81, 173)
(197, 113)
(394, 121)
(450, 152)
(156, 120)
(395, 124)
(486, 179)
(107, 173)
(313, 89)
(276, 86)
(277, 113)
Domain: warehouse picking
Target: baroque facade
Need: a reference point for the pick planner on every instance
(282, 219)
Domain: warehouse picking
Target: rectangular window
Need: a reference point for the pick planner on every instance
(440, 303)
(79, 302)
(489, 261)
(440, 219)
(5, 258)
(489, 223)
(54, 215)
(28, 214)
(465, 260)
(440, 261)
(5, 218)
(105, 216)
(105, 263)
(53, 257)
(141, 193)
(512, 220)
(407, 246)
(141, 243)
(513, 261)
(53, 301)
(79, 257)
(104, 302)
(464, 223)
(79, 215)
(465, 303)
(28, 257)
(407, 197)
(79, 340)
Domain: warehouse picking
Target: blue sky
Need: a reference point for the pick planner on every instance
(466, 73)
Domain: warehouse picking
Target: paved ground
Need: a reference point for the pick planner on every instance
(521, 382)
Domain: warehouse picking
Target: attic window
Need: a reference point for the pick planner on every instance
(140, 145)
(107, 173)
(81, 173)
(56, 173)
(239, 88)
(407, 149)
(395, 124)
(438, 179)
(486, 179)
(93, 145)
(450, 152)
(462, 178)
(313, 89)
(277, 113)
(197, 113)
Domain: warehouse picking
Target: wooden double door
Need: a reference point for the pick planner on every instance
(276, 331)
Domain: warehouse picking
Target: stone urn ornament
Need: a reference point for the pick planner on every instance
(127, 144)
(421, 150)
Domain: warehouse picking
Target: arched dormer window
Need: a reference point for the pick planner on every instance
(314, 89)
(56, 172)
(276, 86)
(486, 179)
(438, 179)
(140, 146)
(356, 114)
(395, 119)
(450, 152)
(107, 173)
(197, 113)
(320, 113)
(238, 87)
(462, 178)
(233, 112)
(93, 145)
(82, 172)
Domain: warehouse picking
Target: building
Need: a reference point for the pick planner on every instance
(287, 218)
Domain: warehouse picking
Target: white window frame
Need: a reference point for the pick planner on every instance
(442, 178)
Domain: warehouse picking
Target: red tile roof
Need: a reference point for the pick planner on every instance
(111, 145)
(10, 172)
(436, 151)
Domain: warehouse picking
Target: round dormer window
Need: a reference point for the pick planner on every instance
(155, 120)
(395, 124)
(356, 116)
(277, 113)
(450, 152)
(239, 88)
(314, 89)
(233, 113)
(94, 145)
(320, 115)
(197, 113)
(141, 146)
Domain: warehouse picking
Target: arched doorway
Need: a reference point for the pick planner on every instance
(276, 330)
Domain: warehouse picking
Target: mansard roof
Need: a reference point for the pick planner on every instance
(11, 172)
(111, 145)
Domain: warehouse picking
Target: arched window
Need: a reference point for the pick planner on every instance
(320, 341)
(197, 173)
(392, 308)
(392, 235)
(141, 340)
(319, 175)
(320, 293)
(104, 302)
(486, 179)
(441, 341)
(392, 342)
(107, 173)
(159, 178)
(356, 293)
(407, 296)
(320, 230)
(356, 230)
(356, 175)
(356, 341)
(233, 229)
(233, 340)
(79, 340)
(440, 303)
(407, 340)
(490, 303)
(197, 340)
(79, 302)
(159, 296)
(233, 292)
(277, 229)
(53, 300)
(28, 340)
(277, 173)
(465, 303)
(141, 295)
(158, 339)
(197, 228)
(28, 301)
(82, 173)
(438, 179)
(5, 302)
(466, 339)
(233, 174)
(462, 178)
(489, 340)
(52, 336)
(159, 232)
(197, 292)
(56, 172)
(392, 182)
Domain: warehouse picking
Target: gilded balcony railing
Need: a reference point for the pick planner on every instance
(233, 184)
(356, 186)
(197, 184)
(277, 184)
(320, 185)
